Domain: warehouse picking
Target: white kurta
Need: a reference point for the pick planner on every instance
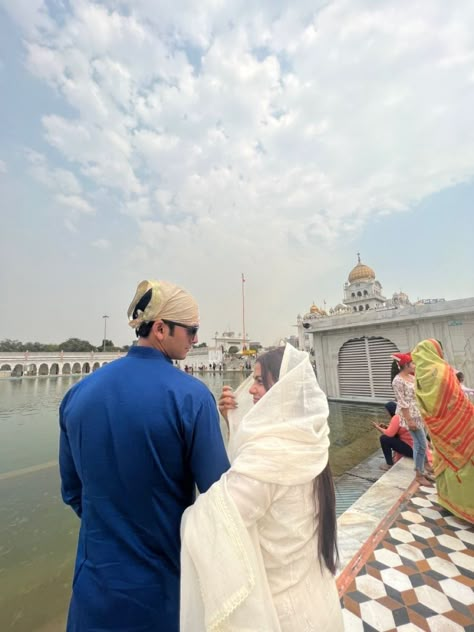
(249, 558)
(304, 593)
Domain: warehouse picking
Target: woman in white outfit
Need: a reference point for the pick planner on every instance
(259, 548)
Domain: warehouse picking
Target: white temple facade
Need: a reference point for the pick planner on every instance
(351, 344)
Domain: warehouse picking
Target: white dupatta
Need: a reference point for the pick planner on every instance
(282, 439)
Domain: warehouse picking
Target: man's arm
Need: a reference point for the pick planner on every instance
(206, 451)
(71, 486)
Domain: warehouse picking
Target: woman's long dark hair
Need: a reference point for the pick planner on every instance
(270, 364)
(395, 370)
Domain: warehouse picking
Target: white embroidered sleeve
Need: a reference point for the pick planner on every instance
(252, 497)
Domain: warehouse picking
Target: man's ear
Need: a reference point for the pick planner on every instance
(158, 330)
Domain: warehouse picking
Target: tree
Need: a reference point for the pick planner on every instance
(201, 345)
(9, 345)
(106, 345)
(233, 350)
(75, 344)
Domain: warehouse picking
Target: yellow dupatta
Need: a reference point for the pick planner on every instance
(448, 414)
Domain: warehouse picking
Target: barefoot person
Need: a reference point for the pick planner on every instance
(137, 436)
(259, 548)
(449, 418)
(403, 383)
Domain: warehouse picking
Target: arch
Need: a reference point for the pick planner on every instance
(66, 368)
(54, 369)
(364, 368)
(86, 368)
(31, 370)
(366, 293)
(104, 363)
(6, 367)
(355, 308)
(359, 293)
(43, 369)
(361, 308)
(95, 366)
(17, 370)
(76, 368)
(367, 307)
(353, 295)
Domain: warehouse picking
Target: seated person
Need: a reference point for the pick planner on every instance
(396, 440)
(394, 437)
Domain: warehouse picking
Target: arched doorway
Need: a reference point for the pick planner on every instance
(86, 367)
(31, 370)
(364, 368)
(43, 369)
(6, 370)
(66, 368)
(17, 371)
(54, 370)
(76, 368)
(95, 366)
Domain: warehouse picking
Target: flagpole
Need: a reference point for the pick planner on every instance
(243, 314)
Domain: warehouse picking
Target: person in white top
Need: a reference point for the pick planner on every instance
(259, 547)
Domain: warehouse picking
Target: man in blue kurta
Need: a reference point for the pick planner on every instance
(137, 436)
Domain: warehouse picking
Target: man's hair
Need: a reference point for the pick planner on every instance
(144, 330)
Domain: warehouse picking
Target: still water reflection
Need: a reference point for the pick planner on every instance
(38, 533)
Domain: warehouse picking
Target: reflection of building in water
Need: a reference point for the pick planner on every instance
(352, 342)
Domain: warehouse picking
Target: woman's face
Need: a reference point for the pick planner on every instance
(257, 390)
(411, 368)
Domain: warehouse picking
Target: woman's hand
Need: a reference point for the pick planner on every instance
(226, 401)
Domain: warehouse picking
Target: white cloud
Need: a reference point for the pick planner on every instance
(101, 244)
(75, 203)
(56, 179)
(3, 166)
(240, 132)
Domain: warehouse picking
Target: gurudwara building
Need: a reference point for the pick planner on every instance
(352, 343)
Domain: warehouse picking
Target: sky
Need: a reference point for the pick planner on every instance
(196, 141)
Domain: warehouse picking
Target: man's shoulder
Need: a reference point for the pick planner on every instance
(190, 383)
(95, 377)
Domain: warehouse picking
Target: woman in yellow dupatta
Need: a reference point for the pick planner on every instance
(449, 418)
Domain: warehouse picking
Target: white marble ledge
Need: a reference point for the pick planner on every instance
(359, 522)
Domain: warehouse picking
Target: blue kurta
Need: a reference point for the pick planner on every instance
(136, 437)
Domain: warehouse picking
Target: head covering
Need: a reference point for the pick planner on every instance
(402, 358)
(165, 301)
(284, 437)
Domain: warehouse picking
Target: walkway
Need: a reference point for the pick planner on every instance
(414, 571)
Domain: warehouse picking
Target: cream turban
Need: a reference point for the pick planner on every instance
(168, 302)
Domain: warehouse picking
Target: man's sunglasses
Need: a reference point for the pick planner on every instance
(191, 330)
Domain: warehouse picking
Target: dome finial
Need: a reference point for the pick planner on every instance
(358, 257)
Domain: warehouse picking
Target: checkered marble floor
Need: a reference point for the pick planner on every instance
(420, 576)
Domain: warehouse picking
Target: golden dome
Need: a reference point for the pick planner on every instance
(314, 309)
(361, 272)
